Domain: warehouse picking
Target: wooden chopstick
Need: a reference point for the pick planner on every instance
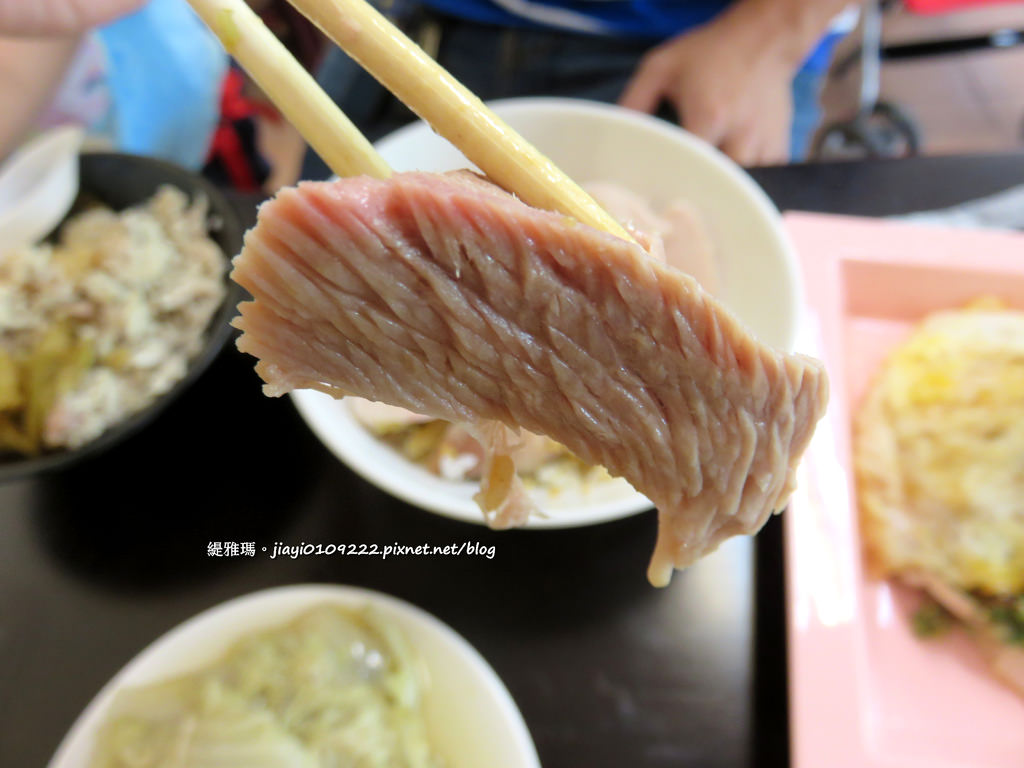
(416, 79)
(291, 88)
(452, 110)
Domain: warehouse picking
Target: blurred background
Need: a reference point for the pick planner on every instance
(961, 101)
(953, 71)
(927, 77)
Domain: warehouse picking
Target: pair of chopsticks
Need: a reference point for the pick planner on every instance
(414, 78)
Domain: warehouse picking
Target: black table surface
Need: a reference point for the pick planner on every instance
(98, 560)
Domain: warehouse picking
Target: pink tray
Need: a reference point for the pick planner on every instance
(864, 691)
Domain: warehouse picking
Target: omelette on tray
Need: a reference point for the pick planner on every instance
(939, 457)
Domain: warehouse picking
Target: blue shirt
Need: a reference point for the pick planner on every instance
(165, 74)
(653, 19)
(632, 18)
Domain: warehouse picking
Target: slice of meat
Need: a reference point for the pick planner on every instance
(455, 300)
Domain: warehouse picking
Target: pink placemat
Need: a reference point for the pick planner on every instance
(864, 691)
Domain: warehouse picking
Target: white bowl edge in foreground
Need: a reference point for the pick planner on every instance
(471, 716)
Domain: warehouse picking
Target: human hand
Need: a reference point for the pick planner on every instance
(730, 83)
(50, 18)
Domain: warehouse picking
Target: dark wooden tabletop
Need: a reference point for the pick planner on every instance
(98, 560)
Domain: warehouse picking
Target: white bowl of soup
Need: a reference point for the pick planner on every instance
(469, 717)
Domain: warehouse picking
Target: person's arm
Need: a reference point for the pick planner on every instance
(59, 17)
(729, 80)
(38, 39)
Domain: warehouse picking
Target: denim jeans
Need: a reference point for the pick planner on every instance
(499, 62)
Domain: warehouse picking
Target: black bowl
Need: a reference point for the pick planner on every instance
(119, 181)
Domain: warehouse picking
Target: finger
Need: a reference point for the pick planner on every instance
(775, 150)
(743, 146)
(779, 131)
(645, 89)
(59, 17)
(772, 144)
(773, 153)
(708, 121)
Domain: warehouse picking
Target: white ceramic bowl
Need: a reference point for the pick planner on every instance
(120, 180)
(595, 142)
(471, 717)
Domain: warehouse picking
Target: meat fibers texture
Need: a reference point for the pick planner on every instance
(453, 299)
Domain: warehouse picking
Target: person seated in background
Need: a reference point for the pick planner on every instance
(744, 75)
(141, 77)
(255, 147)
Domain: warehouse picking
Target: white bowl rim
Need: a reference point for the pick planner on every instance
(295, 598)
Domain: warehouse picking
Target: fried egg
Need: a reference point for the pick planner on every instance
(939, 453)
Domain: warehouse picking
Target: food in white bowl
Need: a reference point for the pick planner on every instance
(417, 693)
(452, 452)
(563, 504)
(444, 295)
(332, 686)
(97, 325)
